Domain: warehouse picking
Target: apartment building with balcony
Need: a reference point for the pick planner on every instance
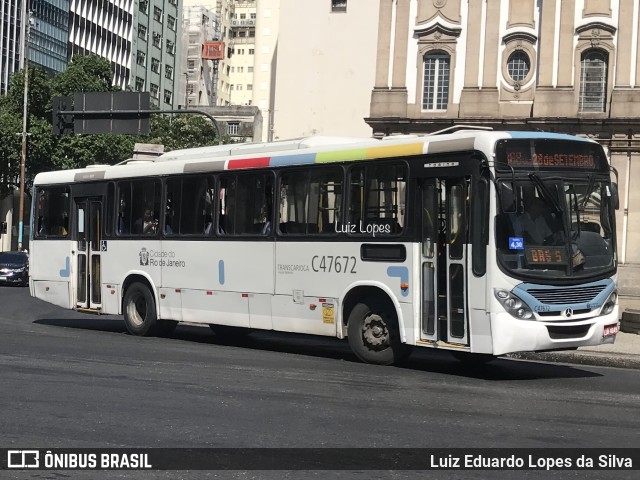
(199, 76)
(235, 72)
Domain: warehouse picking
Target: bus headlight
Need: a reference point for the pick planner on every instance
(610, 304)
(514, 305)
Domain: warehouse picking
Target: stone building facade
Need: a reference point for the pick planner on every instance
(570, 66)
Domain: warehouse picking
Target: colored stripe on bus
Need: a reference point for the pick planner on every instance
(547, 136)
(295, 159)
(248, 163)
(395, 150)
(341, 155)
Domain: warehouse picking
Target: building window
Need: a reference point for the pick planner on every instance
(251, 51)
(171, 47)
(168, 72)
(167, 96)
(171, 22)
(436, 81)
(154, 90)
(155, 65)
(157, 40)
(141, 58)
(518, 65)
(139, 84)
(249, 86)
(338, 5)
(593, 81)
(250, 69)
(143, 6)
(233, 128)
(173, 2)
(142, 31)
(157, 13)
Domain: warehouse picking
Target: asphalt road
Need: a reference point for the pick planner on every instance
(71, 380)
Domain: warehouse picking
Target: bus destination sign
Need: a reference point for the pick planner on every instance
(520, 154)
(569, 160)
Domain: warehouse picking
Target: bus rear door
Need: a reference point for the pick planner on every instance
(88, 215)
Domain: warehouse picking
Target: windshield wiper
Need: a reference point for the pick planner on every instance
(546, 194)
(587, 195)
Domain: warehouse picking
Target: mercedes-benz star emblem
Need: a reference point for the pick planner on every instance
(568, 312)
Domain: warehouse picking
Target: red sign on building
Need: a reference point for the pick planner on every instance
(213, 51)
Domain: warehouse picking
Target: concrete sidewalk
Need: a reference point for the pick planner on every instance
(624, 353)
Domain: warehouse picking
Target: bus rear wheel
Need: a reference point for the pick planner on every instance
(374, 335)
(140, 316)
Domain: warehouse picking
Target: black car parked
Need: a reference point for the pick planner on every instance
(14, 268)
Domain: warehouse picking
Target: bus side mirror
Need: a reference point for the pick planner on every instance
(615, 197)
(507, 195)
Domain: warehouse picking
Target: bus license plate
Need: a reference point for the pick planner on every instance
(610, 330)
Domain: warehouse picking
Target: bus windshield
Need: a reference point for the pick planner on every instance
(557, 228)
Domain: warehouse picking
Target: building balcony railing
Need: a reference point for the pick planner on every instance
(241, 40)
(248, 22)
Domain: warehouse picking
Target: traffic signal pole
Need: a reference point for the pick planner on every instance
(25, 115)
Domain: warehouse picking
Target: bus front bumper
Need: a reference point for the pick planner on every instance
(511, 335)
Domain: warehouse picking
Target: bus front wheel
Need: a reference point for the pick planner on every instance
(140, 315)
(373, 333)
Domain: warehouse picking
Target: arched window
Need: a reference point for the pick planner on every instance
(593, 81)
(436, 81)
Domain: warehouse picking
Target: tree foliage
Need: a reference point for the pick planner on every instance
(48, 152)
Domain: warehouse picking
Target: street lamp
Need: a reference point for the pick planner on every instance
(26, 18)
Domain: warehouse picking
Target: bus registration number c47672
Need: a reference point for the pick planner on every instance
(331, 264)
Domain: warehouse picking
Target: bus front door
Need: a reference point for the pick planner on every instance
(445, 232)
(88, 230)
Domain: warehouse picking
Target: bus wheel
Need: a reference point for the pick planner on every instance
(140, 310)
(226, 331)
(373, 334)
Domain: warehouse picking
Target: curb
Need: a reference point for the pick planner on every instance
(619, 360)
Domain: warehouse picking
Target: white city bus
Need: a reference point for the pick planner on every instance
(425, 241)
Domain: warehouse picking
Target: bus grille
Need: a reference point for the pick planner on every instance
(566, 295)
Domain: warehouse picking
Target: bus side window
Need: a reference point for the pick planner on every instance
(227, 205)
(311, 201)
(171, 209)
(378, 198)
(53, 212)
